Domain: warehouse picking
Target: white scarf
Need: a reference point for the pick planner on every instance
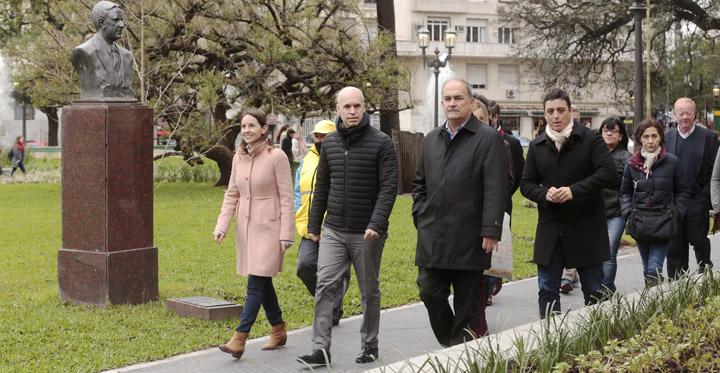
(559, 137)
(650, 158)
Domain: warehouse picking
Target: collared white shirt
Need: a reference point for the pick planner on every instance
(688, 134)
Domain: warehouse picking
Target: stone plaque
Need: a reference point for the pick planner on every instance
(205, 308)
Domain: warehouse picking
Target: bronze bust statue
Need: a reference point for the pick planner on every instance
(104, 68)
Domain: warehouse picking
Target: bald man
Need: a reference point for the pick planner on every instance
(355, 188)
(696, 147)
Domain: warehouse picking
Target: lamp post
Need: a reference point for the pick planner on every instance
(423, 39)
(22, 101)
(716, 109)
(638, 9)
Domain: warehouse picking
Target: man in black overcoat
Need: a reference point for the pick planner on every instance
(565, 170)
(459, 193)
(696, 147)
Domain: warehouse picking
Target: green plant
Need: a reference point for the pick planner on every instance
(672, 327)
(175, 169)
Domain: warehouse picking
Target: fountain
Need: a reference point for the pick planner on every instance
(429, 105)
(7, 105)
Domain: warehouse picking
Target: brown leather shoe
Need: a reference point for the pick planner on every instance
(498, 286)
(278, 337)
(236, 345)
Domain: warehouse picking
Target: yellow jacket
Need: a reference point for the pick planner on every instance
(304, 186)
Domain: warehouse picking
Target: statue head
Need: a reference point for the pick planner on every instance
(108, 20)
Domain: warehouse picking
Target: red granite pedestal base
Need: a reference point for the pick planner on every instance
(107, 253)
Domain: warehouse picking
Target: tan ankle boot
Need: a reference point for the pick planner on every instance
(278, 337)
(236, 345)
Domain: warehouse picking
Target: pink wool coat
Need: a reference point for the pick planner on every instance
(260, 196)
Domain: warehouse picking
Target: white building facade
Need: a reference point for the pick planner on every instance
(483, 55)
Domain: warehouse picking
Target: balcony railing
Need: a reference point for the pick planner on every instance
(462, 49)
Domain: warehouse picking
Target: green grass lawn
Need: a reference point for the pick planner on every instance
(38, 332)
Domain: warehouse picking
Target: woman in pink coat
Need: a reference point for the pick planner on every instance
(260, 196)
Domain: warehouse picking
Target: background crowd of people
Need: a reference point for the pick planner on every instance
(586, 183)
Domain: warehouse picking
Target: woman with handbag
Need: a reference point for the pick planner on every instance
(652, 197)
(260, 196)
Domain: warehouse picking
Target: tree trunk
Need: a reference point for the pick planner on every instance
(222, 155)
(389, 111)
(52, 115)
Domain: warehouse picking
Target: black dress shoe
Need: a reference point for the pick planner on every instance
(317, 357)
(367, 355)
(337, 315)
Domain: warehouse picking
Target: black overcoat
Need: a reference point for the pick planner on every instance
(459, 193)
(585, 165)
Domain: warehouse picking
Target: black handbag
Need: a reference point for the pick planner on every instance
(652, 224)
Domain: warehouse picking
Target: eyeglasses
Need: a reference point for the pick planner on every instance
(613, 131)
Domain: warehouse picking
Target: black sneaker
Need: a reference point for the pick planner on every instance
(367, 355)
(317, 357)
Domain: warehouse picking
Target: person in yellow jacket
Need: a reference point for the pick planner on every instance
(308, 250)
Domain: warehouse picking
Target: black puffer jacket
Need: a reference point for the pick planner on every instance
(611, 196)
(357, 179)
(666, 181)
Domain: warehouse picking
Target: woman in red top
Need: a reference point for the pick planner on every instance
(17, 155)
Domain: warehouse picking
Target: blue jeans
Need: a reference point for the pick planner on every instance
(489, 284)
(549, 282)
(21, 165)
(260, 291)
(653, 255)
(616, 226)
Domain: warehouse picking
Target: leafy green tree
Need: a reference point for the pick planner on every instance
(198, 63)
(571, 43)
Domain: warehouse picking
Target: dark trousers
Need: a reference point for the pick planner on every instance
(307, 273)
(692, 230)
(485, 288)
(434, 283)
(21, 165)
(549, 277)
(260, 291)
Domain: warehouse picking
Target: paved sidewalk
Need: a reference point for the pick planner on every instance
(404, 332)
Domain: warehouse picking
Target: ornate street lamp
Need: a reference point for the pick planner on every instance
(423, 40)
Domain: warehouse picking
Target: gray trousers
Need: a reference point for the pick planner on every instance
(307, 272)
(337, 251)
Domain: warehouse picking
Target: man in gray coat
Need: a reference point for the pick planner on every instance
(459, 191)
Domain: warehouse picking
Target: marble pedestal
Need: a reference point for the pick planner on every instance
(107, 254)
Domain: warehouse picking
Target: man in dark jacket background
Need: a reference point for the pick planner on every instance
(696, 147)
(565, 170)
(356, 185)
(459, 191)
(286, 146)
